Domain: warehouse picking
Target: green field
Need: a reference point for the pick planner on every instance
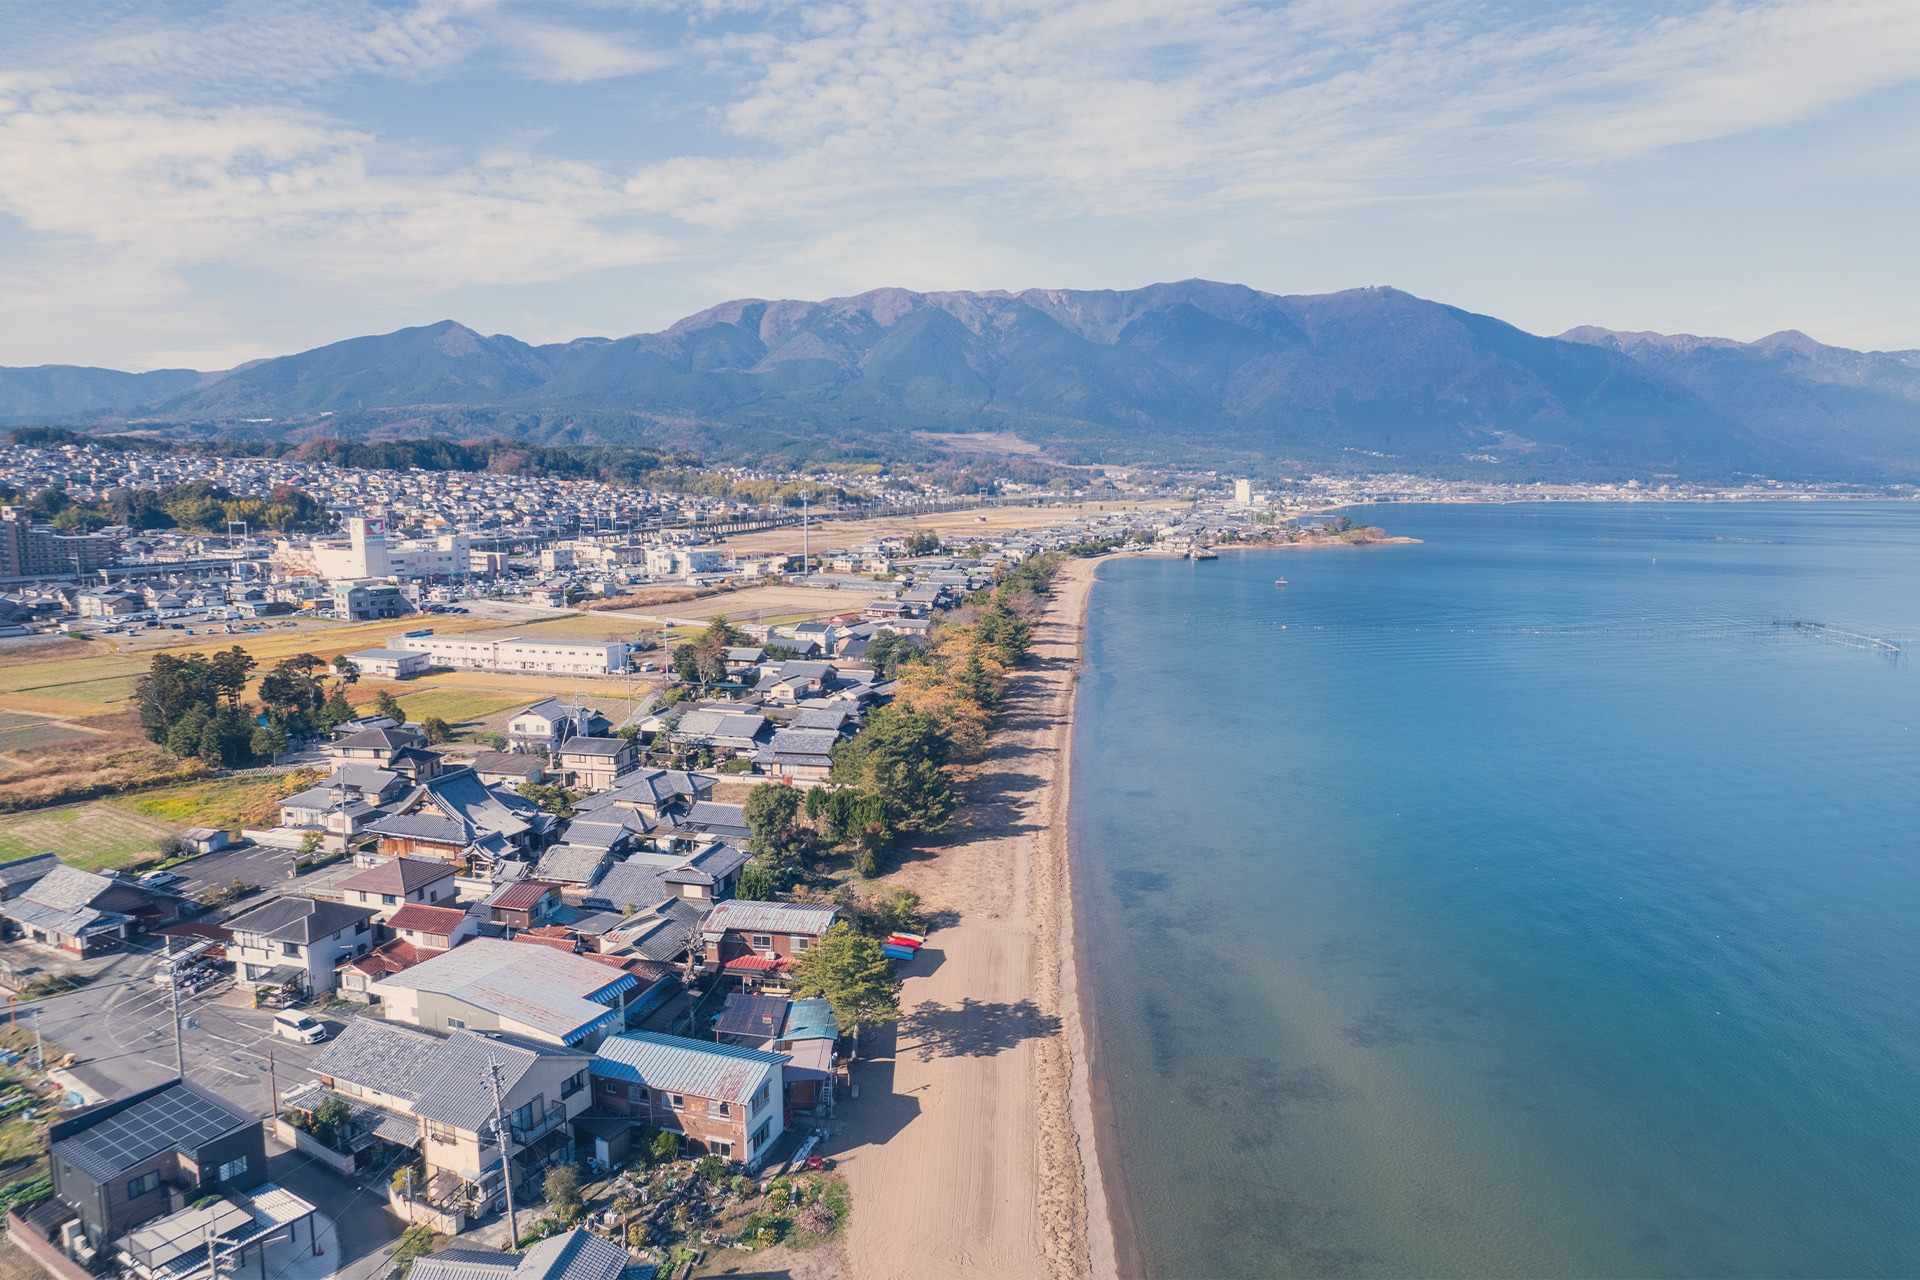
(578, 626)
(49, 677)
(92, 836)
(37, 733)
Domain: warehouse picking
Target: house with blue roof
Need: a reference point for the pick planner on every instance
(718, 1099)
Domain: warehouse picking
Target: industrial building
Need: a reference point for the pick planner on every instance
(516, 653)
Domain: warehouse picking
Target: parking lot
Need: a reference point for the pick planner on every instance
(120, 1031)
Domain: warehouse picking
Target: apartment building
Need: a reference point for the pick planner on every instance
(516, 653)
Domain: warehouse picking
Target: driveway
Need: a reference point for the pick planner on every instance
(252, 864)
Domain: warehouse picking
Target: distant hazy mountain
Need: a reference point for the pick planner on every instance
(58, 391)
(1367, 377)
(1792, 391)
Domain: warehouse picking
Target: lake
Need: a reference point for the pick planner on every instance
(1541, 899)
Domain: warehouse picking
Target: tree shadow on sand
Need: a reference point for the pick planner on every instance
(973, 1028)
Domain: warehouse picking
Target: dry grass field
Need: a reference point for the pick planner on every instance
(92, 836)
(759, 604)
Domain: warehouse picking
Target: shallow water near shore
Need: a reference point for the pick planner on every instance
(1536, 900)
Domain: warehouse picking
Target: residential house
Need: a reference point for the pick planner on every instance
(541, 728)
(522, 904)
(757, 942)
(83, 913)
(595, 763)
(354, 978)
(804, 755)
(509, 768)
(298, 942)
(573, 865)
(493, 985)
(399, 749)
(435, 1094)
(809, 1039)
(742, 661)
(718, 1099)
(720, 821)
(457, 818)
(573, 1255)
(723, 732)
(126, 1162)
(344, 803)
(398, 882)
(18, 874)
(652, 793)
(750, 1021)
(433, 928)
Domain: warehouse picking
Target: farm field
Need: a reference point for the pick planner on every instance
(37, 733)
(229, 803)
(94, 837)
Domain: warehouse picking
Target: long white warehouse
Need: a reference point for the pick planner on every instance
(516, 653)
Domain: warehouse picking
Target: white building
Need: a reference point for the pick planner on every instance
(389, 664)
(367, 553)
(1243, 492)
(516, 653)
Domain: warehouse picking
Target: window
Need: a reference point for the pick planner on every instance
(800, 945)
(456, 1024)
(386, 899)
(762, 942)
(573, 1084)
(640, 1094)
(290, 949)
(145, 1184)
(675, 1101)
(760, 1134)
(362, 893)
(361, 927)
(720, 1108)
(722, 1149)
(233, 1169)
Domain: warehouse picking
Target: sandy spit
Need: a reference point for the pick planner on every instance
(970, 1148)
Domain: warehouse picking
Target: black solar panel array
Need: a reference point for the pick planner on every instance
(181, 1117)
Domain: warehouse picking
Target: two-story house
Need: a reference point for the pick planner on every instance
(595, 763)
(718, 1099)
(397, 749)
(399, 882)
(757, 942)
(125, 1162)
(522, 904)
(535, 992)
(541, 728)
(298, 942)
(459, 819)
(437, 1093)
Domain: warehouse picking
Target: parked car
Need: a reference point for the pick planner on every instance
(291, 1024)
(160, 879)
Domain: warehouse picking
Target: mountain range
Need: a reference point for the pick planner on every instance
(1371, 379)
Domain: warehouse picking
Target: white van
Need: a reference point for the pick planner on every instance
(294, 1025)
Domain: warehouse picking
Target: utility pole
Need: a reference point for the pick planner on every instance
(501, 1132)
(806, 547)
(173, 1001)
(273, 1088)
(39, 1045)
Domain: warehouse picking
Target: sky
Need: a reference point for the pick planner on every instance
(198, 184)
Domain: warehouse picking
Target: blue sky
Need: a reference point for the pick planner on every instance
(200, 184)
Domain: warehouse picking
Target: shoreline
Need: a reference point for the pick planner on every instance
(972, 1147)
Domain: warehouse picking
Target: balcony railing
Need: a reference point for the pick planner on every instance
(540, 1126)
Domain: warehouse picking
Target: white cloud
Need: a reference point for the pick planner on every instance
(864, 141)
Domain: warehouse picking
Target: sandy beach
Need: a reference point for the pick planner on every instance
(969, 1150)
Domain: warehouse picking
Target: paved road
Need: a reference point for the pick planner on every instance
(121, 1031)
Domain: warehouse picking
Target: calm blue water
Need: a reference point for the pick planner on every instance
(1523, 902)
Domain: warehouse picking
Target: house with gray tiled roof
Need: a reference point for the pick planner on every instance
(298, 943)
(435, 1093)
(573, 1255)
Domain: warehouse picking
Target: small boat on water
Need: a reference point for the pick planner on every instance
(1203, 553)
(1279, 582)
